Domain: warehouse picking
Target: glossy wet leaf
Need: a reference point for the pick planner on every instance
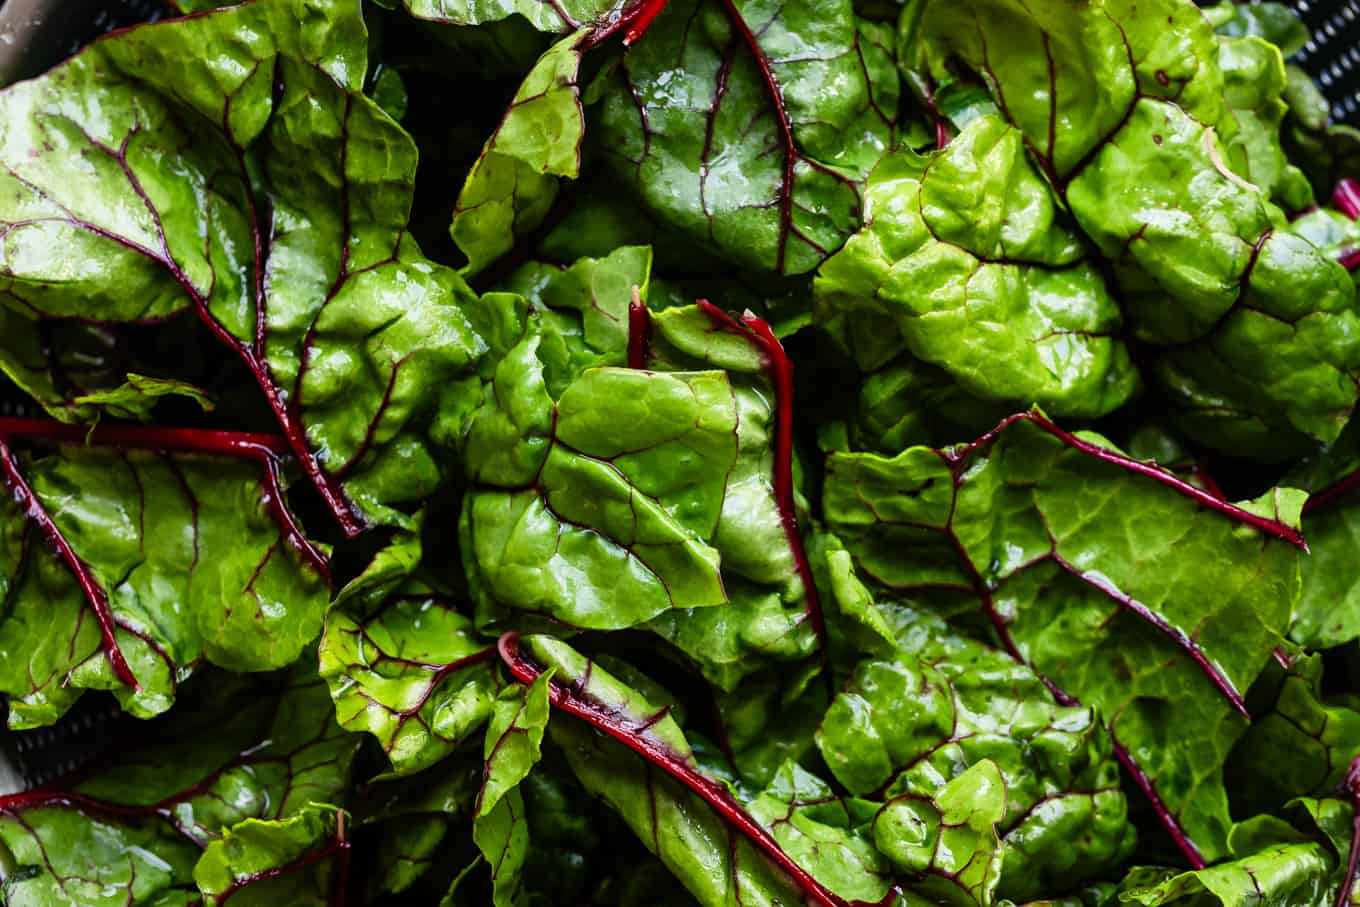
(514, 181)
(723, 127)
(968, 255)
(350, 333)
(131, 832)
(404, 664)
(1079, 560)
(949, 840)
(1130, 113)
(183, 554)
(256, 863)
(911, 723)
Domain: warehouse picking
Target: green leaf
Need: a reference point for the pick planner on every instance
(130, 832)
(1254, 84)
(257, 863)
(831, 836)
(949, 840)
(1118, 95)
(260, 190)
(1300, 742)
(1275, 22)
(747, 154)
(173, 560)
(584, 509)
(772, 612)
(1090, 567)
(514, 181)
(942, 703)
(411, 671)
(514, 737)
(563, 16)
(967, 254)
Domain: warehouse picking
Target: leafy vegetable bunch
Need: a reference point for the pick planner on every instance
(721, 452)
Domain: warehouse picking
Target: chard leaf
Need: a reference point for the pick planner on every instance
(289, 861)
(125, 569)
(912, 723)
(259, 190)
(258, 751)
(514, 181)
(1126, 109)
(1254, 83)
(967, 254)
(691, 822)
(1300, 742)
(403, 664)
(950, 840)
(1071, 551)
(747, 154)
(564, 16)
(411, 671)
(773, 610)
(1310, 862)
(500, 827)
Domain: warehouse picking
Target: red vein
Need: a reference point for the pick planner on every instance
(780, 370)
(1346, 196)
(1329, 494)
(639, 332)
(94, 594)
(1149, 789)
(1352, 786)
(575, 700)
(782, 120)
(1266, 525)
(261, 448)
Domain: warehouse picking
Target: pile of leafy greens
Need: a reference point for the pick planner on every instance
(582, 452)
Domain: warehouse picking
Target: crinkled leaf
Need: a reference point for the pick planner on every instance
(1124, 106)
(585, 509)
(942, 703)
(772, 611)
(411, 671)
(131, 831)
(967, 253)
(131, 195)
(166, 561)
(290, 861)
(1275, 22)
(1300, 742)
(514, 181)
(690, 821)
(403, 664)
(567, 15)
(949, 840)
(1077, 557)
(829, 835)
(721, 122)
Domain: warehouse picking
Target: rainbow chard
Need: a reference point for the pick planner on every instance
(1067, 549)
(131, 560)
(128, 198)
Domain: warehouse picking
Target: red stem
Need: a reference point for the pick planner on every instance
(575, 700)
(1169, 822)
(99, 603)
(780, 370)
(196, 440)
(633, 22)
(639, 333)
(1346, 196)
(1350, 259)
(1352, 786)
(1331, 493)
(264, 449)
(1270, 527)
